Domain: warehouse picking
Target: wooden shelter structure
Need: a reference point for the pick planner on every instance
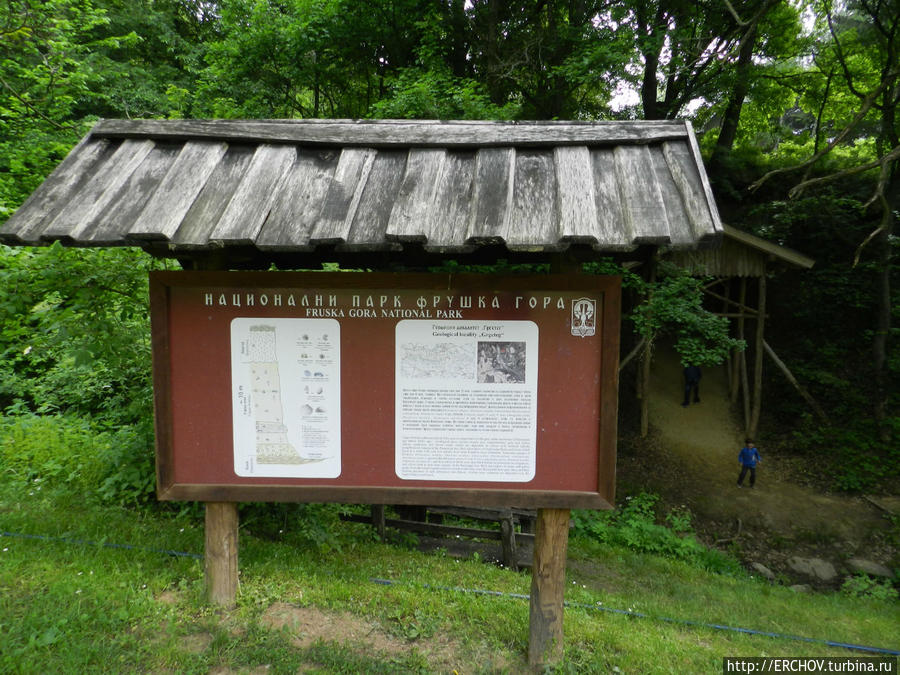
(743, 257)
(296, 193)
(221, 195)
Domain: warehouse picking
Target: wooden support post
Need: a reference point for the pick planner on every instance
(221, 559)
(726, 304)
(758, 358)
(645, 366)
(548, 580)
(378, 519)
(508, 542)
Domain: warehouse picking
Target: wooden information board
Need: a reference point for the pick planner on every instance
(434, 389)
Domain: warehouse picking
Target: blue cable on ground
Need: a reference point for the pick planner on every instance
(641, 615)
(499, 594)
(70, 540)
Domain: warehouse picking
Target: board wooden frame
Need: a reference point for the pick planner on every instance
(166, 285)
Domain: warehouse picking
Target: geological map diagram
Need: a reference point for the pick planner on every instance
(443, 360)
(285, 386)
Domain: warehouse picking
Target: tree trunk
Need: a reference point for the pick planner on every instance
(883, 322)
(732, 115)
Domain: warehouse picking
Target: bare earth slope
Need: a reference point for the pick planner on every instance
(691, 459)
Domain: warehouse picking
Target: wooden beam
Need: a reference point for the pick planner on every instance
(793, 380)
(634, 352)
(548, 580)
(647, 358)
(221, 559)
(758, 359)
(739, 305)
(726, 304)
(398, 133)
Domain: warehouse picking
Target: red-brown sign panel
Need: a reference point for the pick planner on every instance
(381, 388)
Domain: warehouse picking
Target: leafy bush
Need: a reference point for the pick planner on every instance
(852, 454)
(75, 335)
(864, 586)
(634, 526)
(73, 455)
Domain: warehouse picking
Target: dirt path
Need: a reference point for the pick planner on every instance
(696, 464)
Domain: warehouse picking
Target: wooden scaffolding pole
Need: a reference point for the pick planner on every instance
(644, 388)
(745, 384)
(758, 358)
(726, 305)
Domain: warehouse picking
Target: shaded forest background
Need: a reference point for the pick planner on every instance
(795, 105)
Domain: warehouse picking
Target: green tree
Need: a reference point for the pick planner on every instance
(859, 49)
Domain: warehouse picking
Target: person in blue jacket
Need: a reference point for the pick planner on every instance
(748, 458)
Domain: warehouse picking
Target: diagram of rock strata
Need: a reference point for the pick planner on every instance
(285, 381)
(272, 446)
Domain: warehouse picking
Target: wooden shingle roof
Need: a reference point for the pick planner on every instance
(318, 187)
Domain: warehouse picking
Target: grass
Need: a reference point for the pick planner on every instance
(88, 607)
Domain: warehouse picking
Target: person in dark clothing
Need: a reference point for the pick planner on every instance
(692, 377)
(748, 458)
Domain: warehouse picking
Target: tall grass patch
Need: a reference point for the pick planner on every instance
(70, 454)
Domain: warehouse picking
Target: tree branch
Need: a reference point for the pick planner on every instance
(882, 181)
(863, 111)
(33, 109)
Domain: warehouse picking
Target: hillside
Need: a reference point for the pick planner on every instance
(690, 458)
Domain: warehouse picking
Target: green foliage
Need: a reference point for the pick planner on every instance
(313, 526)
(75, 333)
(674, 306)
(439, 95)
(634, 526)
(864, 586)
(75, 348)
(851, 454)
(71, 455)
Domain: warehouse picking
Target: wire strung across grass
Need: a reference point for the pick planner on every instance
(641, 615)
(501, 594)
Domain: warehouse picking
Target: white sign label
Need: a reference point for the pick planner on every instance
(286, 397)
(466, 400)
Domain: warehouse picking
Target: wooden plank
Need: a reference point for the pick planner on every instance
(687, 178)
(493, 197)
(767, 247)
(534, 218)
(415, 197)
(575, 186)
(249, 206)
(450, 214)
(343, 196)
(609, 382)
(221, 559)
(204, 492)
(611, 229)
(376, 200)
(57, 190)
(642, 204)
(436, 529)
(94, 197)
(508, 543)
(681, 229)
(704, 179)
(207, 209)
(178, 190)
(297, 204)
(548, 579)
(402, 133)
(111, 225)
